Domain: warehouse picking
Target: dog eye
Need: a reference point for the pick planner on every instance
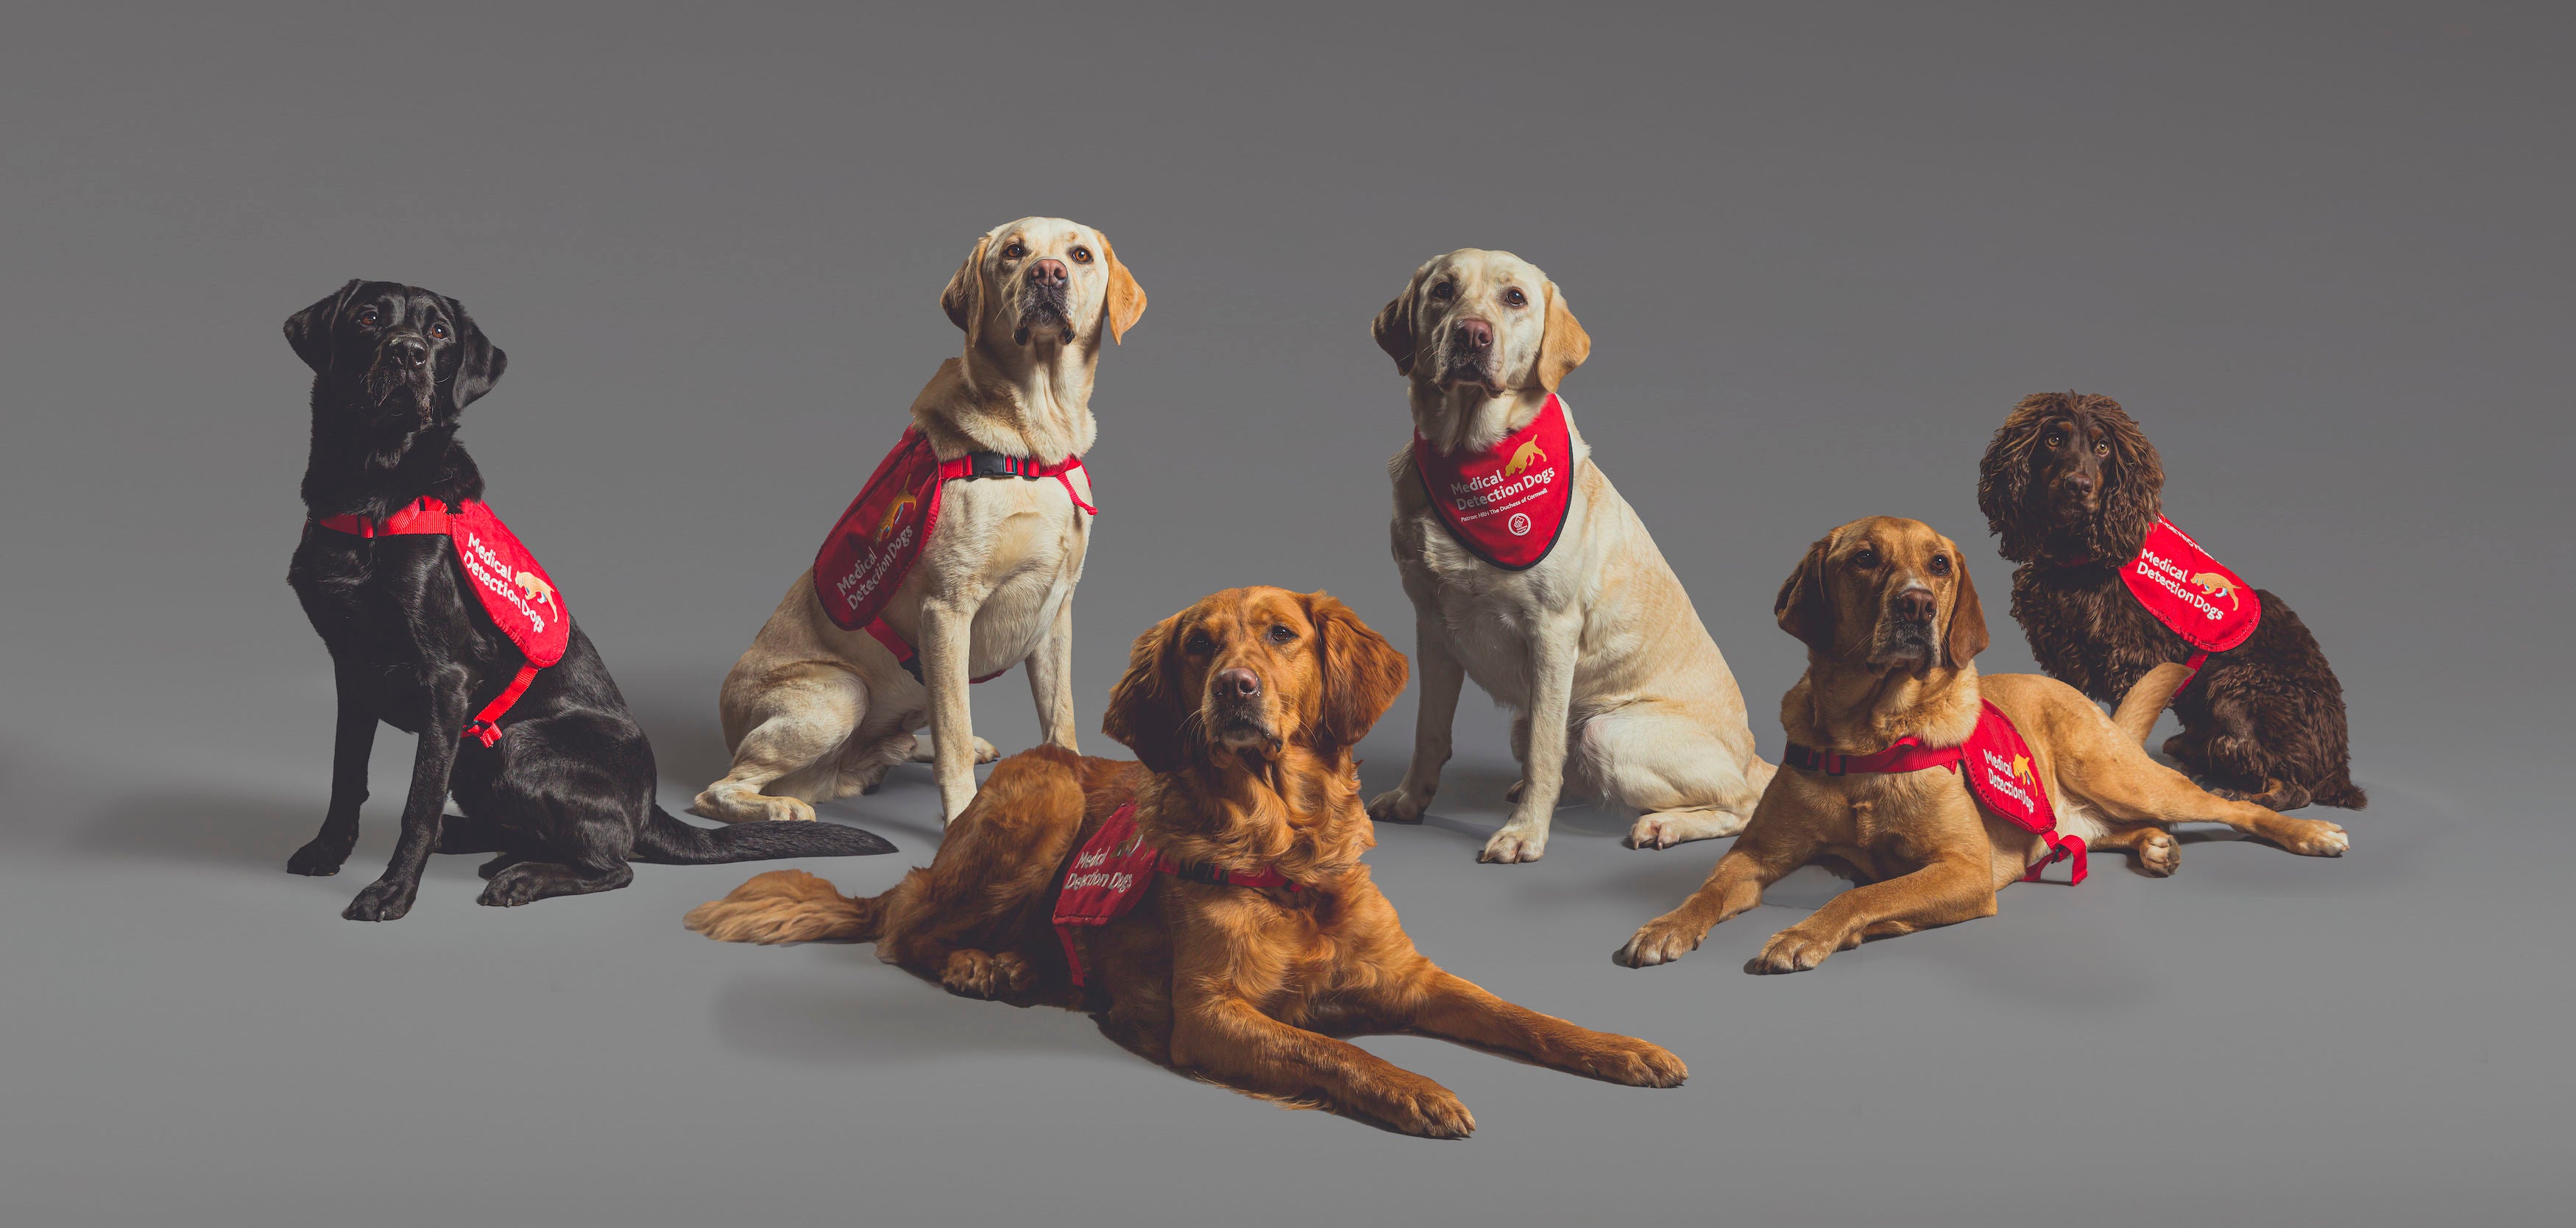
(2057, 441)
(1443, 291)
(1014, 252)
(2101, 449)
(1199, 646)
(1081, 255)
(1280, 634)
(1940, 564)
(438, 332)
(370, 317)
(1514, 297)
(1865, 560)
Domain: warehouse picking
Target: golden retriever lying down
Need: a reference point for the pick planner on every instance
(1260, 939)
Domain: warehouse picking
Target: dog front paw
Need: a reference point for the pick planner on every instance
(383, 900)
(1424, 1109)
(321, 857)
(1793, 950)
(2312, 838)
(1399, 806)
(1660, 941)
(1515, 843)
(1636, 1063)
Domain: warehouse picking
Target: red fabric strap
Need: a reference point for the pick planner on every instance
(2060, 848)
(425, 516)
(486, 725)
(2191, 670)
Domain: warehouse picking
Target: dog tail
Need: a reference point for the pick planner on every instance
(785, 906)
(2340, 791)
(666, 841)
(2146, 701)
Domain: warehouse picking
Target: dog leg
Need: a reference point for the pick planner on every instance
(1227, 1041)
(526, 882)
(2158, 853)
(800, 720)
(866, 759)
(1452, 1008)
(947, 630)
(390, 896)
(353, 740)
(1681, 773)
(1948, 891)
(1552, 651)
(1762, 855)
(2145, 791)
(1050, 671)
(1441, 677)
(926, 750)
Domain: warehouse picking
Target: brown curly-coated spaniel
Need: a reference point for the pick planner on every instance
(2072, 486)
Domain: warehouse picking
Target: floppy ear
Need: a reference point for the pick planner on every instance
(479, 363)
(1966, 636)
(1145, 709)
(2132, 488)
(2003, 477)
(963, 300)
(1803, 607)
(1362, 672)
(1393, 328)
(1565, 345)
(1125, 302)
(309, 330)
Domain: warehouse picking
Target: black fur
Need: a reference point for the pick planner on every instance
(566, 798)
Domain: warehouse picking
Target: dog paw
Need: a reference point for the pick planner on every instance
(1398, 806)
(320, 858)
(2313, 838)
(382, 901)
(1660, 941)
(514, 882)
(2159, 854)
(977, 974)
(1665, 828)
(1792, 950)
(1425, 1110)
(1515, 843)
(1636, 1063)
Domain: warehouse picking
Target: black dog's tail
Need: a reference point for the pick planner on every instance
(666, 841)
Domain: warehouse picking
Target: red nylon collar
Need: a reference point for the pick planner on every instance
(425, 515)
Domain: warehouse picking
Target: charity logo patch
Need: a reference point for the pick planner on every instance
(1519, 524)
(1529, 454)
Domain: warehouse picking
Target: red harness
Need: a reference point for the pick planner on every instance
(2000, 771)
(514, 590)
(874, 544)
(1105, 879)
(1505, 504)
(2193, 595)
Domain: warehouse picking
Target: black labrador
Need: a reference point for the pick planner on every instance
(566, 794)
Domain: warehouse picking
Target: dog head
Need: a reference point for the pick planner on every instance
(1042, 282)
(1249, 672)
(397, 358)
(1884, 594)
(1482, 320)
(2070, 476)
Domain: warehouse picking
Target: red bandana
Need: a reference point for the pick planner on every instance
(515, 591)
(1505, 504)
(1106, 880)
(2000, 772)
(875, 543)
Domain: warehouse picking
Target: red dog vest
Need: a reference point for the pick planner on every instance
(874, 544)
(515, 591)
(2192, 594)
(1106, 880)
(1999, 769)
(1507, 503)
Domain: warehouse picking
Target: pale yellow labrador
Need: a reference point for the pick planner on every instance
(1593, 645)
(813, 711)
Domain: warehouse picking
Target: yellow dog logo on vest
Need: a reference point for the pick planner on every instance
(535, 589)
(2216, 585)
(1530, 454)
(894, 515)
(2021, 768)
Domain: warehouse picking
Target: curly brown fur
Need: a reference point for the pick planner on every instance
(2071, 486)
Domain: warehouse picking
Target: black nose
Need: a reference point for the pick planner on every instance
(1476, 334)
(1047, 273)
(409, 351)
(1238, 684)
(1914, 606)
(2082, 482)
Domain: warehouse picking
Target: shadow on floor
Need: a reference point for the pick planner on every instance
(845, 1008)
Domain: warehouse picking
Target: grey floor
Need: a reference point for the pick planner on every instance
(2321, 255)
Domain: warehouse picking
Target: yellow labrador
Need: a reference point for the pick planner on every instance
(1893, 627)
(1594, 646)
(815, 712)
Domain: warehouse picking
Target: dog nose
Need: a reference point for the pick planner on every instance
(1914, 605)
(411, 351)
(1238, 684)
(1047, 273)
(1476, 334)
(2082, 482)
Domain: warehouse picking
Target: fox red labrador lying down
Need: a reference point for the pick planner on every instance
(1260, 940)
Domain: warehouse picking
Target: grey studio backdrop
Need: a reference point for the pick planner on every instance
(2321, 254)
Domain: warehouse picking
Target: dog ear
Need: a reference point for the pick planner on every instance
(1803, 607)
(2003, 477)
(1564, 346)
(1393, 328)
(479, 363)
(963, 300)
(309, 330)
(1362, 672)
(2133, 485)
(1145, 709)
(1966, 635)
(1125, 301)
